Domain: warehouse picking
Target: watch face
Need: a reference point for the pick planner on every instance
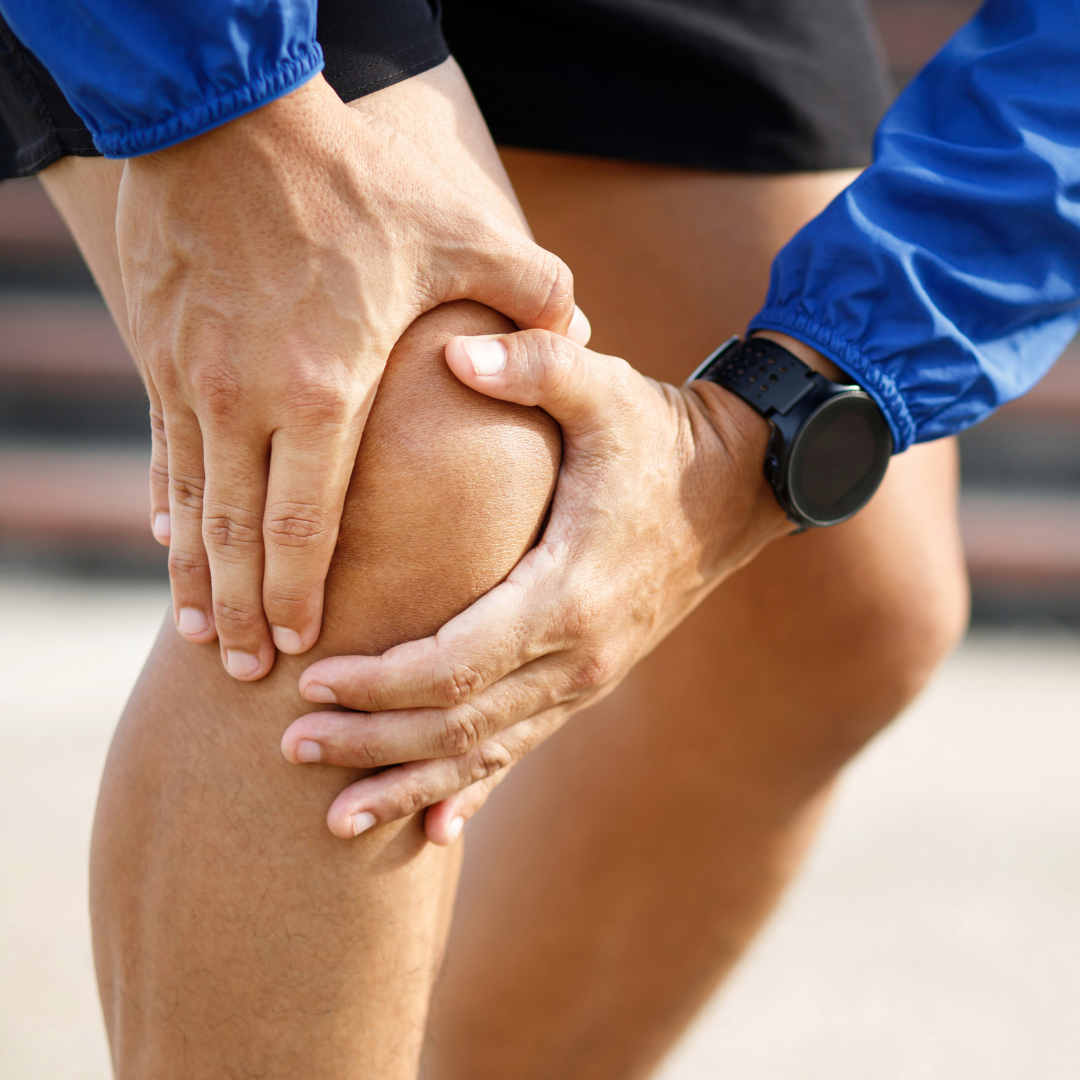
(839, 457)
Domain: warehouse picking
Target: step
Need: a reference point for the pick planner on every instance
(65, 500)
(55, 338)
(29, 225)
(1020, 539)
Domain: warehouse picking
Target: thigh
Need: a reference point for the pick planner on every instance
(231, 930)
(622, 868)
(668, 262)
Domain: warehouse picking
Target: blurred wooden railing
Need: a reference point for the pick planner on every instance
(74, 442)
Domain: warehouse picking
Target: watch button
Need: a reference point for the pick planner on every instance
(772, 468)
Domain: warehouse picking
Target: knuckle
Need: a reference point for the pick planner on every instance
(370, 751)
(313, 404)
(485, 761)
(605, 662)
(188, 567)
(237, 618)
(187, 491)
(591, 672)
(460, 732)
(458, 684)
(288, 608)
(231, 532)
(417, 795)
(159, 472)
(548, 354)
(217, 389)
(294, 524)
(555, 285)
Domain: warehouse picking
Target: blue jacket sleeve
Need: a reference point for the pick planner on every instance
(145, 74)
(946, 279)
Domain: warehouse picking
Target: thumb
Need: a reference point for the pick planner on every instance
(535, 367)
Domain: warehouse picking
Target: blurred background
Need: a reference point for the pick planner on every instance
(74, 438)
(935, 933)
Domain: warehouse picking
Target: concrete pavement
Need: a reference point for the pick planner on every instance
(935, 934)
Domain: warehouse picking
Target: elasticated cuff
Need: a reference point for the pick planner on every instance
(216, 110)
(847, 356)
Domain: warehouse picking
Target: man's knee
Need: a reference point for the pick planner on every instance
(449, 491)
(907, 604)
(899, 645)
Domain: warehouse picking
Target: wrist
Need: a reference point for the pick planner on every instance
(743, 511)
(830, 442)
(284, 124)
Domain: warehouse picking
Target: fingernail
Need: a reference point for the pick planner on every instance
(580, 329)
(191, 620)
(288, 641)
(320, 694)
(488, 357)
(308, 751)
(456, 826)
(239, 664)
(361, 822)
(161, 527)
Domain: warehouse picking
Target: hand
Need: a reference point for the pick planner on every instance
(659, 497)
(270, 265)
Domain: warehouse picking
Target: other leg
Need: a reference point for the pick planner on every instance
(622, 868)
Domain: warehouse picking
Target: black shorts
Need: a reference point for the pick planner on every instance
(744, 85)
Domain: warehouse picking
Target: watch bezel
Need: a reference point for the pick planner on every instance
(799, 507)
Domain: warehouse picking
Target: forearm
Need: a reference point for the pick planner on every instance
(211, 854)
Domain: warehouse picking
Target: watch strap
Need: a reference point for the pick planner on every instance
(765, 375)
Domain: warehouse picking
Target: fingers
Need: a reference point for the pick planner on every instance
(539, 368)
(580, 328)
(309, 475)
(189, 570)
(444, 820)
(232, 516)
(408, 789)
(472, 651)
(379, 739)
(159, 471)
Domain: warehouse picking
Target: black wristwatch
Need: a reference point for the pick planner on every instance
(830, 443)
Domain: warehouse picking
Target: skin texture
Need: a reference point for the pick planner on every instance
(233, 935)
(663, 483)
(622, 866)
(269, 266)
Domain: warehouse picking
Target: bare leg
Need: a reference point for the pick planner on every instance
(621, 869)
(234, 936)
